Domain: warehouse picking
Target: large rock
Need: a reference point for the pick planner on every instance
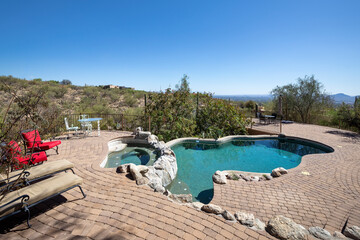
(156, 184)
(124, 168)
(277, 172)
(254, 178)
(211, 208)
(196, 205)
(284, 228)
(245, 218)
(320, 233)
(136, 174)
(152, 139)
(167, 164)
(258, 225)
(181, 198)
(339, 235)
(352, 232)
(246, 178)
(228, 216)
(267, 176)
(219, 177)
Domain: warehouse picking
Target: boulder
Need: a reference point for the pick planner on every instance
(219, 177)
(320, 233)
(135, 173)
(211, 208)
(246, 178)
(339, 235)
(124, 168)
(181, 198)
(152, 139)
(277, 172)
(142, 169)
(352, 232)
(142, 135)
(245, 218)
(258, 225)
(284, 228)
(155, 183)
(196, 205)
(267, 176)
(228, 216)
(283, 170)
(254, 178)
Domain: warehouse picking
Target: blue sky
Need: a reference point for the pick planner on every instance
(225, 47)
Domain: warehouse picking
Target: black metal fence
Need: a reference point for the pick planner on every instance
(109, 121)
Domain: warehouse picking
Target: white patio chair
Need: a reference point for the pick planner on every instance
(72, 128)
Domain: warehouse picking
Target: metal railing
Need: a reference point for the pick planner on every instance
(109, 121)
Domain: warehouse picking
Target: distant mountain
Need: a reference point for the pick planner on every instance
(341, 97)
(256, 98)
(338, 98)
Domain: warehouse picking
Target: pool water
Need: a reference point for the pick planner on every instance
(198, 161)
(136, 155)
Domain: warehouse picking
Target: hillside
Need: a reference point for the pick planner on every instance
(70, 99)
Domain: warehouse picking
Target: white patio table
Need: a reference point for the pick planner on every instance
(92, 120)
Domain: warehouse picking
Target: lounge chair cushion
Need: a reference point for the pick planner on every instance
(31, 138)
(40, 191)
(42, 170)
(47, 145)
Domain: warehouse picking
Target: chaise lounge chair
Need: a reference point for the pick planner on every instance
(36, 173)
(32, 141)
(26, 197)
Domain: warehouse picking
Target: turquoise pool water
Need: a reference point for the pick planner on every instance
(197, 161)
(131, 154)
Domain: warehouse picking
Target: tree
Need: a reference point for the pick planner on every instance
(302, 100)
(184, 84)
(65, 82)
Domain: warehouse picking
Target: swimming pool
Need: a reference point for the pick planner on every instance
(198, 160)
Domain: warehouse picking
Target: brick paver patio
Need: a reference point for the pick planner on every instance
(116, 208)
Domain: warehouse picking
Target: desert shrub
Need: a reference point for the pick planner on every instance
(129, 100)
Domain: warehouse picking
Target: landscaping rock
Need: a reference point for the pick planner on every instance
(219, 177)
(197, 205)
(211, 208)
(181, 198)
(352, 232)
(339, 235)
(123, 168)
(283, 170)
(267, 176)
(254, 178)
(284, 228)
(277, 172)
(245, 218)
(320, 233)
(138, 177)
(258, 225)
(155, 183)
(142, 169)
(142, 135)
(228, 216)
(152, 139)
(245, 177)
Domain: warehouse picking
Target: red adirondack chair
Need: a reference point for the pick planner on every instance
(32, 159)
(33, 141)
